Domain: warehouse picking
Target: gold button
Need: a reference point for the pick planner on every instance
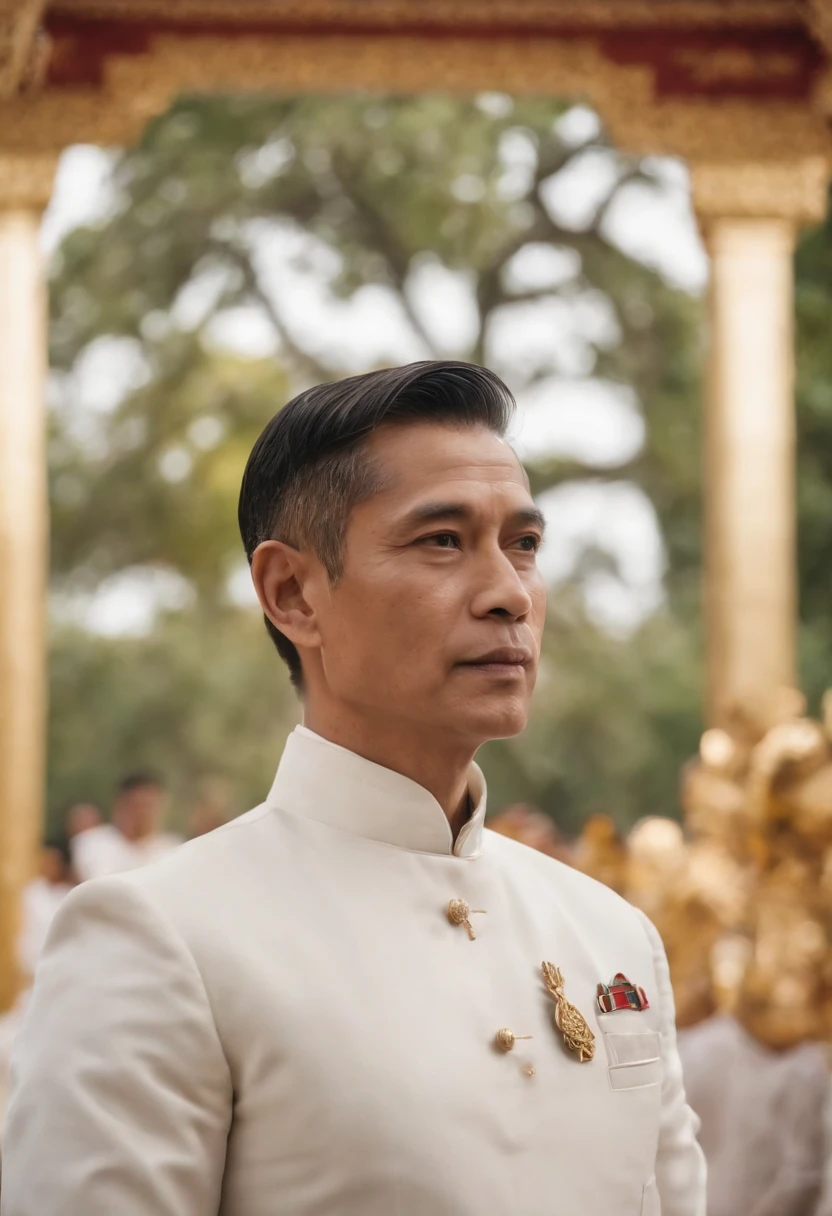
(505, 1038)
(459, 913)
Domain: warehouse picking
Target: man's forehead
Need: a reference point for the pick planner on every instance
(428, 453)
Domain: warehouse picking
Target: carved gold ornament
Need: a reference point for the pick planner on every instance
(570, 1021)
(26, 179)
(743, 898)
(459, 14)
(360, 44)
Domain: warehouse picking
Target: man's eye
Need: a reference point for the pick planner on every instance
(530, 543)
(442, 540)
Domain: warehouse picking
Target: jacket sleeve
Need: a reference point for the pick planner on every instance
(680, 1162)
(121, 1095)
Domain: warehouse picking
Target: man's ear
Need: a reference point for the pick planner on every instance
(280, 574)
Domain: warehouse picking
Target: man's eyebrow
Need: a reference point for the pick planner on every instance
(436, 512)
(432, 512)
(533, 517)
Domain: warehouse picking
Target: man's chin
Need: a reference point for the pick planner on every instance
(485, 722)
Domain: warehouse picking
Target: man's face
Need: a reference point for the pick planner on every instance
(82, 817)
(437, 618)
(138, 811)
(52, 865)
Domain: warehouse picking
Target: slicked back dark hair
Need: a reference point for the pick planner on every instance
(310, 466)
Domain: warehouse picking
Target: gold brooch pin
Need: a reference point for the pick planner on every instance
(459, 913)
(505, 1038)
(570, 1021)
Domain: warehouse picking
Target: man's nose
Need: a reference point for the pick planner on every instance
(502, 591)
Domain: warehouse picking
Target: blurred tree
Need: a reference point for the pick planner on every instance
(156, 485)
(374, 193)
(813, 300)
(194, 700)
(370, 195)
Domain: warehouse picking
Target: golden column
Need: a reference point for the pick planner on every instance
(750, 215)
(25, 185)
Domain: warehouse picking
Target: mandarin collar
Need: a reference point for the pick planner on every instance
(328, 783)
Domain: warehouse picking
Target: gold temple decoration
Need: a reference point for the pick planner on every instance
(570, 1021)
(505, 1038)
(600, 852)
(743, 897)
(459, 914)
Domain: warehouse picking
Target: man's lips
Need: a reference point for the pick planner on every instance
(507, 658)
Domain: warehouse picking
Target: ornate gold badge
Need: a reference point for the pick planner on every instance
(570, 1021)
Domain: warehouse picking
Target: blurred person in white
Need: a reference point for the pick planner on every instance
(80, 818)
(335, 1004)
(41, 899)
(763, 1114)
(211, 808)
(132, 838)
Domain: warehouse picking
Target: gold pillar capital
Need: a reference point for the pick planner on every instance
(794, 191)
(26, 180)
(19, 59)
(749, 238)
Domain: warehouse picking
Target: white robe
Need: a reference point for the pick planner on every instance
(279, 1019)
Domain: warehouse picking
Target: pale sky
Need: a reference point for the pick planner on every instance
(572, 414)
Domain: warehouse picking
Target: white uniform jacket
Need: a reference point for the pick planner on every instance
(280, 1019)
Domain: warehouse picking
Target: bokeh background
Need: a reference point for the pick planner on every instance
(247, 247)
(241, 210)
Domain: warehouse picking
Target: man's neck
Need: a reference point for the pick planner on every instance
(439, 767)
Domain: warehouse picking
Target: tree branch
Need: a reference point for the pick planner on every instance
(552, 158)
(630, 174)
(383, 238)
(549, 474)
(526, 297)
(306, 362)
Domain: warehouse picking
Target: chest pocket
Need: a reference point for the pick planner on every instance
(633, 1051)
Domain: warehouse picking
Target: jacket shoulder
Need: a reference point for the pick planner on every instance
(205, 858)
(572, 885)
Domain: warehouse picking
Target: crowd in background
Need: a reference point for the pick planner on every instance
(90, 847)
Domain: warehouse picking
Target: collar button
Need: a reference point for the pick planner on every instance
(459, 914)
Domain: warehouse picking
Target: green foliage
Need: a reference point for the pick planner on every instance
(813, 300)
(201, 700)
(114, 508)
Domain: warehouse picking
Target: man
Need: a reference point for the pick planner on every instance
(80, 817)
(132, 838)
(336, 1005)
